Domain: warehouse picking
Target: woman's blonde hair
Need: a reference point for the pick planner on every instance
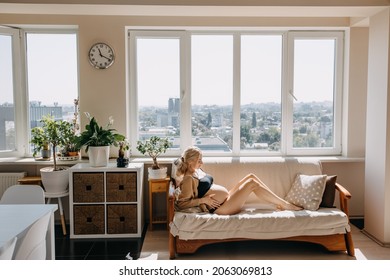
(190, 154)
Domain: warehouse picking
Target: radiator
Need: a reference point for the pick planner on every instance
(9, 179)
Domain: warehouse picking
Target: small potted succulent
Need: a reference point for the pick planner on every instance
(97, 141)
(154, 147)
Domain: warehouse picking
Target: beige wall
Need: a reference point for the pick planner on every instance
(103, 92)
(377, 169)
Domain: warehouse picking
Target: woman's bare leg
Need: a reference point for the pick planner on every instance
(265, 193)
(236, 200)
(239, 194)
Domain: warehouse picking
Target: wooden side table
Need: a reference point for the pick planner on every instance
(30, 180)
(157, 186)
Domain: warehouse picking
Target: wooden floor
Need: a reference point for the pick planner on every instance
(156, 242)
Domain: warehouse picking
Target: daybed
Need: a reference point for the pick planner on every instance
(327, 225)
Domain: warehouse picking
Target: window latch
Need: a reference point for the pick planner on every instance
(292, 94)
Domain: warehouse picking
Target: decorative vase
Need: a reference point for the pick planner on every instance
(98, 155)
(122, 162)
(55, 182)
(157, 173)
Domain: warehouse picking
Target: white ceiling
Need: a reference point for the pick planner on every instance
(172, 10)
(358, 14)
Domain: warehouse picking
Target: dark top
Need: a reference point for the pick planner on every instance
(204, 185)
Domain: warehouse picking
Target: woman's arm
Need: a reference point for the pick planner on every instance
(188, 196)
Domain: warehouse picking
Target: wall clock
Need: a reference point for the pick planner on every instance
(101, 55)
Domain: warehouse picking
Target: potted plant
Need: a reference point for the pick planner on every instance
(54, 132)
(122, 160)
(97, 141)
(154, 147)
(70, 150)
(40, 142)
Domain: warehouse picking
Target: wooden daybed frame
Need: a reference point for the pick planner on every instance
(334, 242)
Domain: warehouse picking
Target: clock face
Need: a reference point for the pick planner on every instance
(101, 56)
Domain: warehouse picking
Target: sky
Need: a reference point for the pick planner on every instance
(212, 69)
(52, 69)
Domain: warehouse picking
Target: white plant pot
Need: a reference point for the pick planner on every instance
(55, 182)
(157, 173)
(98, 156)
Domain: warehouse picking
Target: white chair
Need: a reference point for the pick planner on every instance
(33, 245)
(7, 250)
(23, 194)
(59, 197)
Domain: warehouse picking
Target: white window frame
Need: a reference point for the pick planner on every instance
(338, 36)
(286, 98)
(19, 86)
(21, 100)
(185, 97)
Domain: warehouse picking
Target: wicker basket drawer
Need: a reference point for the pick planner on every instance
(88, 187)
(121, 186)
(121, 219)
(88, 219)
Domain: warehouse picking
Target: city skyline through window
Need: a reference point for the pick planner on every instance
(246, 94)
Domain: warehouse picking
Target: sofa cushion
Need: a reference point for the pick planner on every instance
(276, 172)
(330, 192)
(259, 224)
(307, 191)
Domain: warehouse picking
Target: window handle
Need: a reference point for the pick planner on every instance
(292, 94)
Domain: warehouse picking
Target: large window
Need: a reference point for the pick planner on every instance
(238, 93)
(8, 40)
(38, 75)
(212, 92)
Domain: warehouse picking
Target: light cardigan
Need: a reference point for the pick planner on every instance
(188, 196)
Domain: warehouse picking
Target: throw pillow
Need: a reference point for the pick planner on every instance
(330, 192)
(307, 191)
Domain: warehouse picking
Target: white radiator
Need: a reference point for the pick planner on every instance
(9, 179)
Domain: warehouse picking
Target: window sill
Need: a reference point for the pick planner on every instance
(162, 160)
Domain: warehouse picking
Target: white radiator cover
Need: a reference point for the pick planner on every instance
(9, 179)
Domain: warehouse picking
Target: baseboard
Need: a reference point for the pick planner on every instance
(373, 238)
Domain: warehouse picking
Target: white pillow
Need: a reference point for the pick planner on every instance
(307, 190)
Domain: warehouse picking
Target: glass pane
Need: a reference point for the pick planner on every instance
(158, 88)
(212, 92)
(261, 85)
(52, 76)
(314, 72)
(7, 123)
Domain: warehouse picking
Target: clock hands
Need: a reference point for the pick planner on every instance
(101, 55)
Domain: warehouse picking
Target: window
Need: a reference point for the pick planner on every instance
(238, 93)
(315, 88)
(261, 93)
(49, 87)
(212, 92)
(9, 80)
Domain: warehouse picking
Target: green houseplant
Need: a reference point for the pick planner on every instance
(97, 140)
(55, 133)
(154, 147)
(40, 142)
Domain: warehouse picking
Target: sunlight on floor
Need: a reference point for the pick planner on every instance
(359, 254)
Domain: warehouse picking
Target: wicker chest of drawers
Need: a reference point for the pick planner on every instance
(106, 201)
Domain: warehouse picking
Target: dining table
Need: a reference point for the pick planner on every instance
(16, 219)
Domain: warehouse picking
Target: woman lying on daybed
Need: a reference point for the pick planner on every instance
(197, 188)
